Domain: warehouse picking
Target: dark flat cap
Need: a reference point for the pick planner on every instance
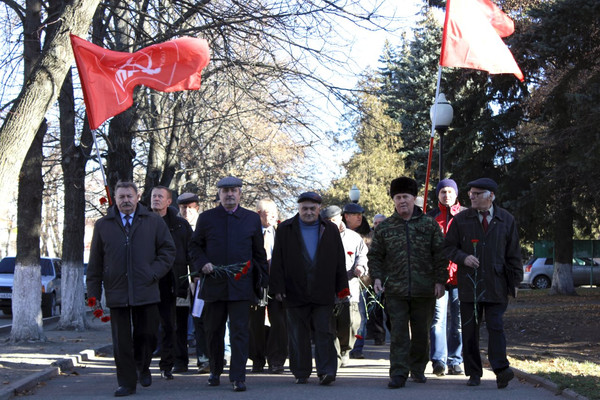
(230, 181)
(403, 184)
(353, 208)
(484, 183)
(310, 196)
(187, 198)
(330, 212)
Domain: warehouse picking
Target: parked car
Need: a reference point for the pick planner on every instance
(538, 271)
(51, 297)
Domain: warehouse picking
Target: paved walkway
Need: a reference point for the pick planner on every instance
(91, 374)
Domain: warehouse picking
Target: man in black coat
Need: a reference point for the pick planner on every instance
(227, 250)
(484, 243)
(308, 271)
(131, 250)
(174, 320)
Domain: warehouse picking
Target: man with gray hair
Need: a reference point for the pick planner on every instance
(226, 238)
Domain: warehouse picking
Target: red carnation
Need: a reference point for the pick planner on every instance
(246, 268)
(103, 200)
(350, 253)
(91, 301)
(474, 241)
(345, 292)
(106, 318)
(237, 276)
(98, 313)
(359, 337)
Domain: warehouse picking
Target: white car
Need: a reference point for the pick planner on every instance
(50, 285)
(538, 271)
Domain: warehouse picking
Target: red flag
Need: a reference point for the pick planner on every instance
(108, 77)
(472, 37)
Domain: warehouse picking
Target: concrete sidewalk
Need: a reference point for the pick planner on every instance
(80, 365)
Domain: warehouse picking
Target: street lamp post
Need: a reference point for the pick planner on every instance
(441, 119)
(354, 194)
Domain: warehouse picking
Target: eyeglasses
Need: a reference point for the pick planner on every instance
(475, 195)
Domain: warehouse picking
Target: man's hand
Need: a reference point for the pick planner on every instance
(359, 271)
(207, 269)
(472, 261)
(439, 290)
(377, 286)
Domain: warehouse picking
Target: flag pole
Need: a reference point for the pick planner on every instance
(101, 168)
(433, 118)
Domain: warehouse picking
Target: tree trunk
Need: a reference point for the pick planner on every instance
(41, 90)
(562, 279)
(27, 293)
(74, 160)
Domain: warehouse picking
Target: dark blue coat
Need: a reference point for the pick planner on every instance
(225, 239)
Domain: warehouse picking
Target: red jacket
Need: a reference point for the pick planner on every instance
(444, 218)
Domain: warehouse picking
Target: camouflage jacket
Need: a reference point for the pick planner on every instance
(407, 255)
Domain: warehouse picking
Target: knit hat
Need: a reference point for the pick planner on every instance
(446, 183)
(403, 184)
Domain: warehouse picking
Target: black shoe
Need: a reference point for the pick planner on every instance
(180, 369)
(276, 369)
(326, 379)
(239, 386)
(145, 378)
(503, 377)
(301, 381)
(439, 368)
(124, 391)
(358, 355)
(418, 377)
(256, 368)
(396, 382)
(213, 380)
(474, 381)
(455, 370)
(168, 375)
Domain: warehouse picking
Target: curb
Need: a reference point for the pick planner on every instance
(546, 384)
(59, 366)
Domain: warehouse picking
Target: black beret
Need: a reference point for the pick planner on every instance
(230, 181)
(484, 183)
(403, 184)
(353, 208)
(330, 212)
(310, 196)
(187, 198)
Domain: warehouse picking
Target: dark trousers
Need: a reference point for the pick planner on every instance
(493, 313)
(134, 339)
(375, 321)
(277, 339)
(182, 358)
(200, 337)
(346, 323)
(215, 317)
(166, 310)
(299, 320)
(258, 336)
(410, 319)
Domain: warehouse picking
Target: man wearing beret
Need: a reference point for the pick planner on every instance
(347, 319)
(446, 340)
(228, 236)
(308, 271)
(484, 242)
(406, 260)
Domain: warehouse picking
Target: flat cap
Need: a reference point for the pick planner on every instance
(187, 198)
(353, 208)
(330, 212)
(484, 183)
(230, 181)
(310, 196)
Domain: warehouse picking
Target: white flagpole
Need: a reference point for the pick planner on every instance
(437, 92)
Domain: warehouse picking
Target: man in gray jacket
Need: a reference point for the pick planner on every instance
(484, 243)
(131, 250)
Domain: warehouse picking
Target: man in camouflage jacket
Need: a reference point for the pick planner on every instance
(406, 261)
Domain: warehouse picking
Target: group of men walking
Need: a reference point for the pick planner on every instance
(307, 275)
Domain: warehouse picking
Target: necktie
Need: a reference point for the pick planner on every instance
(127, 223)
(484, 221)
